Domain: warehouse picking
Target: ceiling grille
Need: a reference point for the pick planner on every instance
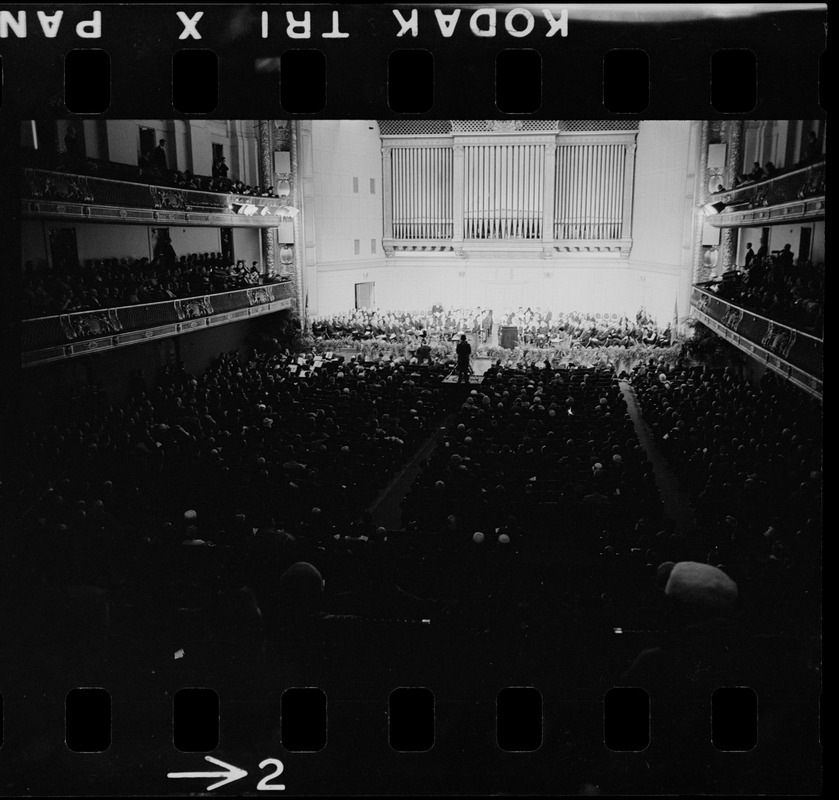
(587, 125)
(430, 127)
(414, 127)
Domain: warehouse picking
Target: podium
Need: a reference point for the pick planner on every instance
(509, 336)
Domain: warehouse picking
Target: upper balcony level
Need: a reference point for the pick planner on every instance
(793, 196)
(796, 355)
(69, 196)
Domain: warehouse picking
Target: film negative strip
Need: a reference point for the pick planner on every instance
(258, 535)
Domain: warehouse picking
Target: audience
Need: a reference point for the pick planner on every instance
(323, 433)
(152, 168)
(777, 287)
(228, 518)
(812, 154)
(107, 283)
(532, 448)
(153, 171)
(748, 456)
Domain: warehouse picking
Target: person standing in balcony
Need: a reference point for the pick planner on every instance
(71, 145)
(813, 153)
(220, 169)
(785, 259)
(160, 157)
(750, 254)
(763, 250)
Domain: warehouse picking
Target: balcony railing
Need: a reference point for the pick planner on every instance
(802, 187)
(795, 354)
(51, 338)
(44, 190)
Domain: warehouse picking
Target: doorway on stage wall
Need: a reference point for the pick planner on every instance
(364, 294)
(148, 143)
(227, 253)
(804, 243)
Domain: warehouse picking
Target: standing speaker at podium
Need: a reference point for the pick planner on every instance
(464, 352)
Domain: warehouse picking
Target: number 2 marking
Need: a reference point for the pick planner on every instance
(264, 785)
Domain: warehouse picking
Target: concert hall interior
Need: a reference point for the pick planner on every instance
(468, 406)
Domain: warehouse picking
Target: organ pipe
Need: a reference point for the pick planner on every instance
(589, 191)
(502, 189)
(412, 193)
(601, 195)
(394, 192)
(424, 185)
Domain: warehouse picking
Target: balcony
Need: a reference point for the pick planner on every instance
(69, 196)
(48, 339)
(791, 197)
(797, 356)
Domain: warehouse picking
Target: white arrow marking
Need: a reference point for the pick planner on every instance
(230, 774)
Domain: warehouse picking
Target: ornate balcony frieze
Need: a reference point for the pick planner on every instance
(56, 194)
(798, 195)
(62, 336)
(794, 354)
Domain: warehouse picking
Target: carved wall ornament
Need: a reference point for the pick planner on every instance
(91, 324)
(733, 318)
(259, 296)
(193, 308)
(703, 302)
(779, 340)
(503, 125)
(168, 198)
(74, 188)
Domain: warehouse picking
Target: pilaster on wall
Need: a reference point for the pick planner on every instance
(729, 133)
(548, 200)
(457, 199)
(280, 136)
(266, 177)
(305, 179)
(733, 136)
(387, 191)
(693, 222)
(628, 188)
(701, 271)
(297, 202)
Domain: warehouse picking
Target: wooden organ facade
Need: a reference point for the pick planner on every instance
(485, 187)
